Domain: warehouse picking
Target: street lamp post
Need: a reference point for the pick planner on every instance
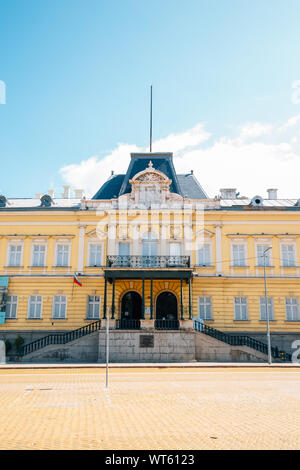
(267, 310)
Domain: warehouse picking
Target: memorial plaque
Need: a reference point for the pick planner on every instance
(146, 341)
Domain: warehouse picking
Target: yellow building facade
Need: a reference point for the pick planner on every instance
(150, 250)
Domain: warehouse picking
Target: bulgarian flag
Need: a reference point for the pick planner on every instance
(76, 280)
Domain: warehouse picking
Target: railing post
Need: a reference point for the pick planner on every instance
(190, 301)
(143, 300)
(181, 299)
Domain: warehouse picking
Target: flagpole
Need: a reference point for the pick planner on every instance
(151, 119)
(107, 346)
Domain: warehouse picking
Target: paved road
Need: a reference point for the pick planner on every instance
(150, 409)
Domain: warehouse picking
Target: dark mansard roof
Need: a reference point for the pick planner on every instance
(185, 185)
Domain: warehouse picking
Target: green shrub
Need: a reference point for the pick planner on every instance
(8, 345)
(18, 342)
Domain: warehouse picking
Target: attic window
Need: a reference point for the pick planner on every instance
(3, 201)
(46, 201)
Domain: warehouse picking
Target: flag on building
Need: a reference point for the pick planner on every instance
(76, 280)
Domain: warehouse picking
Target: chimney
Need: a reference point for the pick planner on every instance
(272, 193)
(78, 193)
(66, 193)
(51, 193)
(228, 193)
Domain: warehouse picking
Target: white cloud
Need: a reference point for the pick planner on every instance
(257, 159)
(290, 122)
(253, 130)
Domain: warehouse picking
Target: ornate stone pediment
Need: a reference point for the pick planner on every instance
(150, 186)
(150, 175)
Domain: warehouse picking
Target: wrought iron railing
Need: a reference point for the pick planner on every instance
(128, 324)
(124, 261)
(241, 340)
(166, 324)
(59, 338)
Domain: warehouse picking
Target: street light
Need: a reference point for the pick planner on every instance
(267, 310)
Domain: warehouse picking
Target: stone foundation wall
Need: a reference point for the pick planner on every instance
(130, 346)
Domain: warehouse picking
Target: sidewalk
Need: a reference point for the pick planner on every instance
(190, 365)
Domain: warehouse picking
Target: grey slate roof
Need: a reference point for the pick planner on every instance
(185, 185)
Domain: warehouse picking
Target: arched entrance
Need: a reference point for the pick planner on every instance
(166, 306)
(131, 307)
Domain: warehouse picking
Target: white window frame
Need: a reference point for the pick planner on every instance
(270, 308)
(60, 303)
(177, 243)
(260, 259)
(8, 316)
(11, 245)
(291, 305)
(286, 244)
(209, 245)
(90, 245)
(206, 303)
(36, 302)
(245, 258)
(93, 302)
(238, 308)
(63, 243)
(38, 243)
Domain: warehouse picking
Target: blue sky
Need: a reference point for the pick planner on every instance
(77, 76)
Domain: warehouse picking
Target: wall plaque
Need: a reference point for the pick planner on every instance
(146, 341)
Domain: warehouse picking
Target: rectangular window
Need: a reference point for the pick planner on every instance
(38, 255)
(263, 313)
(35, 307)
(260, 249)
(62, 255)
(288, 257)
(205, 308)
(15, 254)
(239, 255)
(95, 255)
(292, 309)
(11, 306)
(241, 308)
(204, 255)
(175, 249)
(124, 249)
(93, 310)
(59, 307)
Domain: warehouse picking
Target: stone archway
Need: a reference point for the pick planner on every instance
(131, 306)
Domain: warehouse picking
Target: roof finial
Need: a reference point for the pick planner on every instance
(150, 164)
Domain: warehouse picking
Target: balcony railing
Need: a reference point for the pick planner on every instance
(128, 324)
(166, 324)
(124, 261)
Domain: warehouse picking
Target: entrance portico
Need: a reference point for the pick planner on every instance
(152, 294)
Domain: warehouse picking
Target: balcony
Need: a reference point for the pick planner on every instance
(161, 262)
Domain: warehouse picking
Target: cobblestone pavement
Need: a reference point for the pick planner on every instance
(150, 409)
